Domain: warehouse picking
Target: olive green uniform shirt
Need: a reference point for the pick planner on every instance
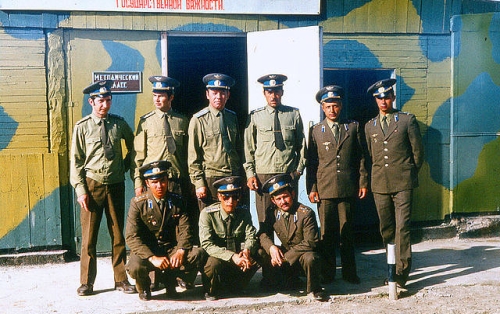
(206, 156)
(213, 231)
(150, 143)
(87, 153)
(261, 154)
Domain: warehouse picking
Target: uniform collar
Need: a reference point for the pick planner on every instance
(214, 111)
(96, 119)
(161, 113)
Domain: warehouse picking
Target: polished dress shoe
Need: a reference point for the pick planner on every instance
(145, 295)
(320, 296)
(85, 289)
(210, 297)
(125, 286)
(183, 284)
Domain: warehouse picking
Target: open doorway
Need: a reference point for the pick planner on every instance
(190, 57)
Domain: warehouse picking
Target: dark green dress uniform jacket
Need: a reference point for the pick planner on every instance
(301, 237)
(145, 219)
(396, 156)
(336, 170)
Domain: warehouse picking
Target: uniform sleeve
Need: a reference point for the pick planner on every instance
(132, 232)
(250, 233)
(139, 154)
(312, 164)
(77, 161)
(416, 142)
(361, 150)
(309, 240)
(301, 145)
(184, 238)
(195, 153)
(250, 139)
(128, 137)
(207, 241)
(266, 231)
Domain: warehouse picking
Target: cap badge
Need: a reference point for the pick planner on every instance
(381, 89)
(272, 82)
(156, 170)
(230, 186)
(276, 186)
(217, 83)
(103, 89)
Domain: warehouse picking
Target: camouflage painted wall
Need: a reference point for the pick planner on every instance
(445, 54)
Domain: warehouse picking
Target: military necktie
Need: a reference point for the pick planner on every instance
(230, 244)
(336, 131)
(278, 136)
(385, 126)
(106, 143)
(286, 216)
(226, 143)
(168, 133)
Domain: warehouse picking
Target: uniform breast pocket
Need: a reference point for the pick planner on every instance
(211, 136)
(288, 133)
(179, 137)
(92, 143)
(265, 134)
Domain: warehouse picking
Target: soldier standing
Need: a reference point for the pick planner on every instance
(214, 147)
(336, 175)
(395, 146)
(274, 141)
(97, 172)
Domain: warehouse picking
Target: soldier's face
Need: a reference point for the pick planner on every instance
(273, 96)
(332, 109)
(228, 201)
(158, 186)
(284, 200)
(385, 104)
(100, 106)
(217, 97)
(162, 101)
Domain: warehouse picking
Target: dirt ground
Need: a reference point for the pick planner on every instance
(448, 276)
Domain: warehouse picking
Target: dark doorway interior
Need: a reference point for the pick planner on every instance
(359, 106)
(192, 57)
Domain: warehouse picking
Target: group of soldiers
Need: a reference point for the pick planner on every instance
(192, 180)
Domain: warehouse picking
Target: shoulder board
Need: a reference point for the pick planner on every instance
(304, 208)
(317, 124)
(115, 116)
(83, 119)
(212, 208)
(289, 108)
(406, 113)
(352, 121)
(257, 110)
(140, 197)
(230, 111)
(147, 115)
(201, 112)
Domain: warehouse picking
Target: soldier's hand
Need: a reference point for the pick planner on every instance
(201, 192)
(177, 258)
(314, 197)
(83, 200)
(362, 193)
(277, 256)
(253, 183)
(160, 262)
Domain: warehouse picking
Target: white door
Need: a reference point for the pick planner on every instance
(296, 53)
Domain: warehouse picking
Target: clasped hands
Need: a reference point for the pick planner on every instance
(163, 262)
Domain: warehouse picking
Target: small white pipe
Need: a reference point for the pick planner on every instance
(391, 263)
